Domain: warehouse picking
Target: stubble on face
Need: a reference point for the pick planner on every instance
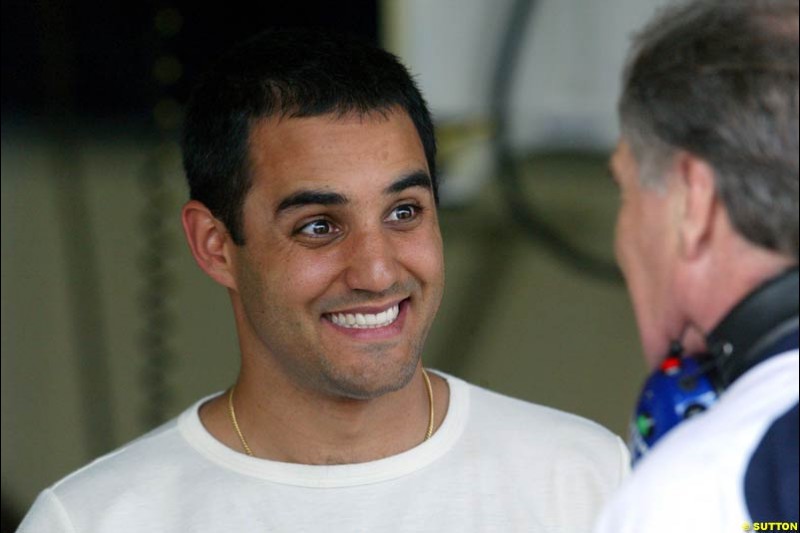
(387, 374)
(282, 298)
(286, 341)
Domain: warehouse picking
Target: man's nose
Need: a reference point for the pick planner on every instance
(372, 263)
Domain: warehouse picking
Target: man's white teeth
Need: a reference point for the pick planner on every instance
(366, 321)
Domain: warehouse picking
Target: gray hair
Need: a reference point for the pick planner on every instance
(719, 79)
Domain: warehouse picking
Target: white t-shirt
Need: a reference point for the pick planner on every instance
(495, 464)
(694, 479)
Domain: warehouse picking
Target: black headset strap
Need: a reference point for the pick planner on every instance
(744, 337)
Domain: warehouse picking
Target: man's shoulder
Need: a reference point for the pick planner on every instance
(121, 481)
(520, 441)
(771, 482)
(150, 453)
(536, 428)
(703, 461)
(502, 409)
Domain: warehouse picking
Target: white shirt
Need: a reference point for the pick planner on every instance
(693, 480)
(495, 464)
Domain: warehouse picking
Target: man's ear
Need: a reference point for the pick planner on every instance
(210, 242)
(700, 204)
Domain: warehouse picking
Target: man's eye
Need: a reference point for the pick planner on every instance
(404, 213)
(317, 228)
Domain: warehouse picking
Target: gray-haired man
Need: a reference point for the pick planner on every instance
(707, 238)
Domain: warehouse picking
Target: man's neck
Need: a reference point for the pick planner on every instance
(282, 422)
(731, 274)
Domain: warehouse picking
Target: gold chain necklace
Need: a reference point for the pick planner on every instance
(249, 451)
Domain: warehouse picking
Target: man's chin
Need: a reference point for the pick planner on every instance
(361, 385)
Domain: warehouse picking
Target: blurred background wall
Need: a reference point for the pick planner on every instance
(108, 327)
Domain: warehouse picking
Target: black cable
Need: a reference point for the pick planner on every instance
(522, 210)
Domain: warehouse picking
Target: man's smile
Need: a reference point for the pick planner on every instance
(370, 323)
(365, 320)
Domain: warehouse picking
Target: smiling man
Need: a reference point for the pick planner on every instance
(334, 287)
(311, 165)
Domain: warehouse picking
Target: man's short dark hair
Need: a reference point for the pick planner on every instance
(719, 79)
(286, 73)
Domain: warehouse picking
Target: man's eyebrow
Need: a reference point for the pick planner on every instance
(310, 197)
(417, 178)
(297, 199)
